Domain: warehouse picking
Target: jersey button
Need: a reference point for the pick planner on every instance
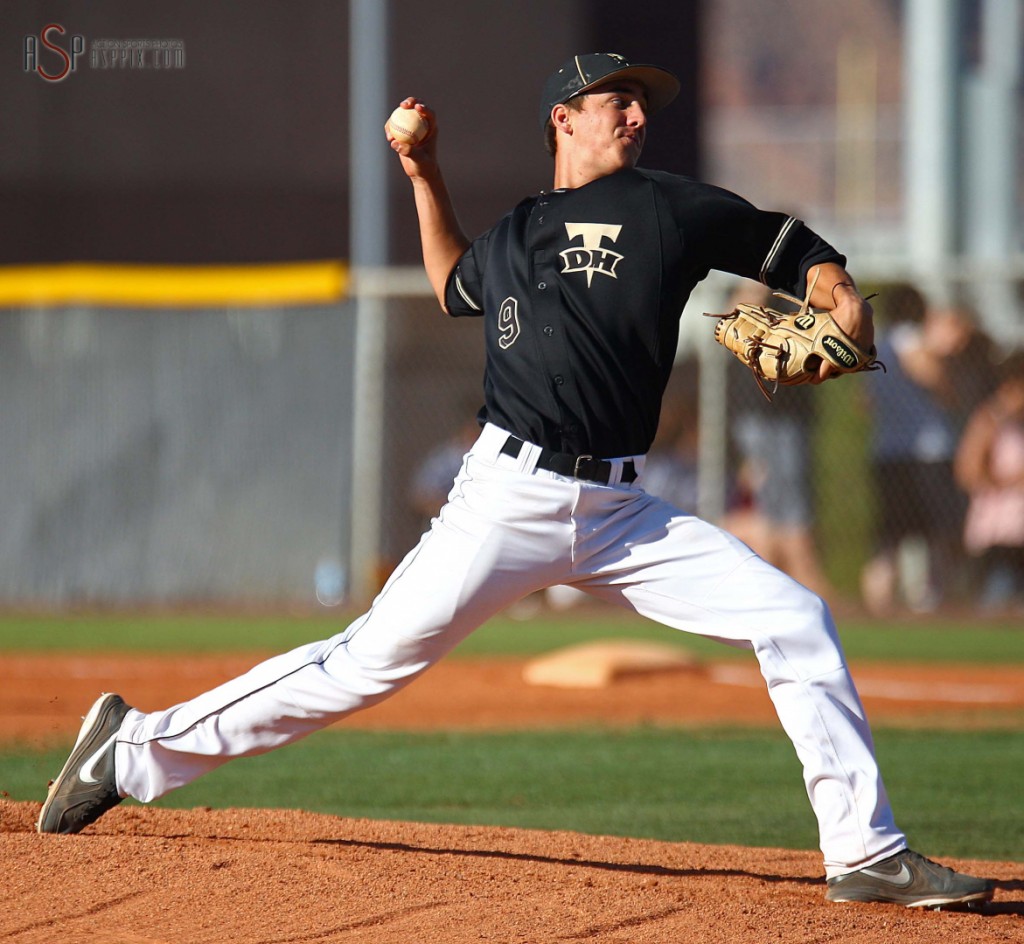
(548, 330)
(542, 285)
(559, 380)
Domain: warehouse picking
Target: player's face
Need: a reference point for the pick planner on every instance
(613, 124)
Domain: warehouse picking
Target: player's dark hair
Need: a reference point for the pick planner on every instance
(550, 136)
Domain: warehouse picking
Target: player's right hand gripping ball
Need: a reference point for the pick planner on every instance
(787, 349)
(407, 125)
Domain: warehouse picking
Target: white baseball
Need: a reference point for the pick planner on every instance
(407, 125)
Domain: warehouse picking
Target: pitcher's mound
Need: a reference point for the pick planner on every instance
(145, 875)
(598, 664)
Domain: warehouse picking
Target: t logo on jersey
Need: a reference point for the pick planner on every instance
(591, 257)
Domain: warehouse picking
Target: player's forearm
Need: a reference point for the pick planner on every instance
(442, 239)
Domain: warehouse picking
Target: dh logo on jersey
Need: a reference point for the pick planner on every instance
(591, 257)
(68, 58)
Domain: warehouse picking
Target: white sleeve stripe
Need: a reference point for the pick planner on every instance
(774, 251)
(460, 288)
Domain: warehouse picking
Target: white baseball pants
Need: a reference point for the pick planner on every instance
(507, 530)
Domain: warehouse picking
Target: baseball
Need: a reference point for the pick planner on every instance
(407, 125)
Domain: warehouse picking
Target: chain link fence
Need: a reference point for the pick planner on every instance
(171, 457)
(853, 487)
(179, 457)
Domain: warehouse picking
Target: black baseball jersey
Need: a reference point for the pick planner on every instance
(581, 291)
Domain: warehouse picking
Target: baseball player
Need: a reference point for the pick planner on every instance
(580, 288)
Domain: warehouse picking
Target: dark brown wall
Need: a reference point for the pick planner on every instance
(243, 154)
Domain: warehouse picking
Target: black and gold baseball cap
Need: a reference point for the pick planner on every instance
(580, 74)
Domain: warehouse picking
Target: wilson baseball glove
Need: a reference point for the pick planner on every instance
(787, 349)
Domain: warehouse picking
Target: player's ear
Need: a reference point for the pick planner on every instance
(560, 118)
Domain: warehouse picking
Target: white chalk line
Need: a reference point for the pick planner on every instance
(953, 692)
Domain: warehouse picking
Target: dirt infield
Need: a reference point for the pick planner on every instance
(43, 697)
(156, 876)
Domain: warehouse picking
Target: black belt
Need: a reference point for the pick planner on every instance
(579, 467)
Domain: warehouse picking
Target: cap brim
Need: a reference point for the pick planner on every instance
(660, 84)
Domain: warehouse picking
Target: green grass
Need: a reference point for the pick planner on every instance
(163, 632)
(718, 786)
(943, 641)
(953, 791)
(950, 789)
(933, 640)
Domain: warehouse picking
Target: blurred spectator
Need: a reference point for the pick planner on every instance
(953, 362)
(670, 471)
(435, 475)
(937, 371)
(772, 442)
(990, 468)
